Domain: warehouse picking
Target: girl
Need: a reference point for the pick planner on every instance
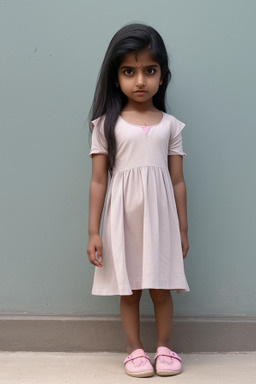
(139, 145)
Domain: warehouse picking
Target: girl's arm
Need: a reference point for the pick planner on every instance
(175, 163)
(98, 188)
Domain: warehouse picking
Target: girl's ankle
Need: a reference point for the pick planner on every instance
(131, 349)
(166, 345)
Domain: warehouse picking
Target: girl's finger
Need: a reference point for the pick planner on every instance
(94, 258)
(98, 256)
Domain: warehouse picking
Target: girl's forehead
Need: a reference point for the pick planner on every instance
(138, 58)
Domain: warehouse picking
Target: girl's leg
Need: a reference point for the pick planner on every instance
(129, 309)
(163, 307)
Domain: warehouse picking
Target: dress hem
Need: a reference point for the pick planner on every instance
(99, 292)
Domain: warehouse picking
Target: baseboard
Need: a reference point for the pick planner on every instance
(97, 334)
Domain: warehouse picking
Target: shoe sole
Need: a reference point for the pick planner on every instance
(141, 374)
(168, 373)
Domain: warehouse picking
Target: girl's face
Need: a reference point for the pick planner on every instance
(139, 77)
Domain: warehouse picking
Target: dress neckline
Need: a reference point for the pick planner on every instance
(143, 126)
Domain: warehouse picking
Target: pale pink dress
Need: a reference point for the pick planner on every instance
(141, 238)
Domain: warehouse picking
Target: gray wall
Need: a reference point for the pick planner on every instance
(51, 52)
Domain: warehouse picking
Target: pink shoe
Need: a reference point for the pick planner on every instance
(168, 363)
(138, 364)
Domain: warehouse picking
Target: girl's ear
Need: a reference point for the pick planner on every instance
(161, 82)
(116, 84)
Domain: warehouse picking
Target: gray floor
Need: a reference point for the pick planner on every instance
(107, 368)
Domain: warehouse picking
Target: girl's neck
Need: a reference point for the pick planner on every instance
(140, 107)
(141, 115)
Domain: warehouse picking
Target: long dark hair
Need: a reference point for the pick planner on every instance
(108, 98)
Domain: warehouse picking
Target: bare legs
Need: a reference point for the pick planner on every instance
(130, 315)
(129, 308)
(163, 307)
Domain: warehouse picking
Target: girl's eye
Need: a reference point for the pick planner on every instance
(151, 71)
(128, 72)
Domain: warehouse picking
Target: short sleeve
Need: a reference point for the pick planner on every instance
(99, 142)
(175, 142)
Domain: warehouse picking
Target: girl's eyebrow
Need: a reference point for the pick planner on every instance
(133, 67)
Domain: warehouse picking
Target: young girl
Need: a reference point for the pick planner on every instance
(139, 146)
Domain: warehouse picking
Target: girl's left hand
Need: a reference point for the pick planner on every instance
(184, 243)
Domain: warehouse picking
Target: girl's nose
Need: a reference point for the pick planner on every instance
(140, 81)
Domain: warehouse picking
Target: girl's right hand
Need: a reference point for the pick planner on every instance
(94, 250)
